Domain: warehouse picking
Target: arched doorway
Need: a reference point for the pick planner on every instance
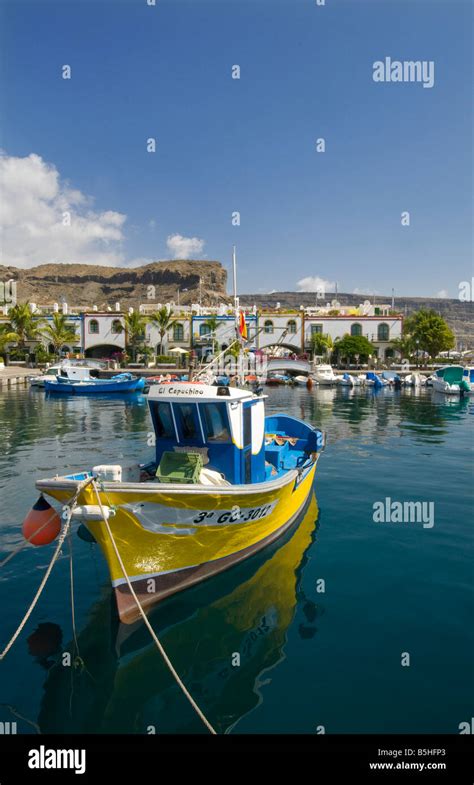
(103, 351)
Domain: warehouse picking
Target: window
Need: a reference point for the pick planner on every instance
(94, 326)
(178, 332)
(291, 326)
(164, 421)
(316, 329)
(185, 415)
(116, 326)
(215, 418)
(268, 326)
(356, 329)
(204, 330)
(247, 425)
(383, 332)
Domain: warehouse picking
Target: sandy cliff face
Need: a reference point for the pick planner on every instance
(88, 285)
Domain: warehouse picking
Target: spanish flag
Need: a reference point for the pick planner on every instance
(242, 326)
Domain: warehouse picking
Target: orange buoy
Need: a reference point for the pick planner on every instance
(42, 524)
(309, 383)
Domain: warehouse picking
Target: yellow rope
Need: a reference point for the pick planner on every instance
(145, 619)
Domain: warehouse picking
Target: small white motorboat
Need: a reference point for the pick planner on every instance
(451, 381)
(324, 374)
(75, 371)
(414, 380)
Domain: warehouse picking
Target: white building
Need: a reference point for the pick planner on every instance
(103, 334)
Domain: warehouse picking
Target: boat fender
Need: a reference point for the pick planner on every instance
(90, 512)
(42, 524)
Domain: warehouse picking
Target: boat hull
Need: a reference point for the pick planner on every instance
(171, 538)
(95, 388)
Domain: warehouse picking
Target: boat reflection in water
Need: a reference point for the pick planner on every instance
(124, 686)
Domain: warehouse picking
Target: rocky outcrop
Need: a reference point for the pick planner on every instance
(87, 285)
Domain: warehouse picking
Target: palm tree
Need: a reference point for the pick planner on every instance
(23, 324)
(162, 320)
(213, 323)
(59, 332)
(135, 324)
(321, 344)
(6, 337)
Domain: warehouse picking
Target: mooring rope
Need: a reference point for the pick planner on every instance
(27, 615)
(54, 557)
(27, 540)
(147, 623)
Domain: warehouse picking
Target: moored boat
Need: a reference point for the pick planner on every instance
(392, 378)
(376, 380)
(225, 482)
(347, 380)
(450, 380)
(274, 379)
(68, 369)
(121, 383)
(414, 380)
(324, 374)
(468, 376)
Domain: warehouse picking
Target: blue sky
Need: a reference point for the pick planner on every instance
(223, 145)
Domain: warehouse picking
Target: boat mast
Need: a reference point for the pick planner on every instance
(236, 299)
(236, 313)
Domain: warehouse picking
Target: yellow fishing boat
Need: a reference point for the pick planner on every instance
(125, 688)
(225, 482)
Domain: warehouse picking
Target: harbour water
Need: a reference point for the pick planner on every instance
(322, 621)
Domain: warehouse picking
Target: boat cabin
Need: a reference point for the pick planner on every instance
(226, 426)
(228, 429)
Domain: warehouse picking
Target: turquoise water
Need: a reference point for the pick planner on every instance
(309, 658)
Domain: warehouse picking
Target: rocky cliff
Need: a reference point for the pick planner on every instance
(87, 285)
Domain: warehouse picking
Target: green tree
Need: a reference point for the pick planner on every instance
(162, 320)
(213, 323)
(351, 346)
(59, 332)
(135, 324)
(428, 332)
(23, 325)
(6, 337)
(321, 344)
(404, 345)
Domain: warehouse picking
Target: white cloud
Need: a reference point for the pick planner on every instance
(313, 283)
(369, 291)
(443, 294)
(33, 200)
(184, 247)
